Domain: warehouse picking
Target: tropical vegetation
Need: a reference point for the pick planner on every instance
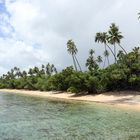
(100, 76)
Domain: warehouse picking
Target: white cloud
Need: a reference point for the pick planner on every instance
(17, 52)
(50, 23)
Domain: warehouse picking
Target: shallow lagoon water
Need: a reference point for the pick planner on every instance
(32, 118)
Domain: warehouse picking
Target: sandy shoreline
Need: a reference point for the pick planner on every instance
(118, 99)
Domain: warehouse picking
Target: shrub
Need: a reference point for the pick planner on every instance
(72, 90)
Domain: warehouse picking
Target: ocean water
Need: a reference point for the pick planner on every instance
(33, 118)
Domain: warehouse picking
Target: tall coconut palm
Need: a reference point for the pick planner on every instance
(115, 37)
(30, 72)
(91, 62)
(98, 37)
(42, 69)
(48, 69)
(71, 48)
(102, 38)
(53, 69)
(99, 60)
(120, 54)
(17, 72)
(136, 50)
(121, 57)
(24, 74)
(106, 54)
(77, 62)
(36, 71)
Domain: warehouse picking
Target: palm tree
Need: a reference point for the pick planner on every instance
(42, 67)
(115, 37)
(50, 69)
(24, 74)
(102, 38)
(99, 60)
(136, 50)
(121, 57)
(91, 62)
(71, 48)
(42, 71)
(53, 69)
(30, 72)
(17, 72)
(78, 62)
(11, 74)
(36, 71)
(98, 37)
(106, 54)
(120, 54)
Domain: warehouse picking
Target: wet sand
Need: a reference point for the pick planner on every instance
(126, 100)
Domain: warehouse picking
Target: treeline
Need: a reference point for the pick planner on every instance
(101, 76)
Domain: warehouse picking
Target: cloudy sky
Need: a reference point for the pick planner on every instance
(34, 32)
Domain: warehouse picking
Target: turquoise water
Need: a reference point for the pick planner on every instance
(32, 118)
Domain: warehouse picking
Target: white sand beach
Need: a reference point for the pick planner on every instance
(126, 100)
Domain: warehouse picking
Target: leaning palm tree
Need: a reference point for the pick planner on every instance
(77, 62)
(115, 37)
(71, 48)
(102, 38)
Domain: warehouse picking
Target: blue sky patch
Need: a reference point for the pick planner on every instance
(6, 28)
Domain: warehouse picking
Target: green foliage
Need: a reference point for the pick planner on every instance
(124, 74)
(92, 83)
(72, 49)
(91, 62)
(72, 90)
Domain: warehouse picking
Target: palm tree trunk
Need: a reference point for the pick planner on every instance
(108, 60)
(74, 62)
(77, 62)
(112, 52)
(122, 48)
